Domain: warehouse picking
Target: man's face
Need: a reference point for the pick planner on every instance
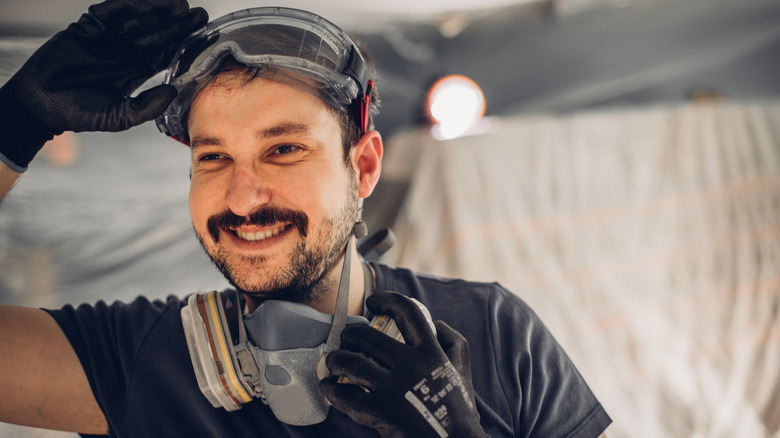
(271, 199)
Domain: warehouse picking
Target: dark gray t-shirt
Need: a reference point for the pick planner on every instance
(136, 359)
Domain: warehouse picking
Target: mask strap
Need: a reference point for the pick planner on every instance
(240, 312)
(342, 300)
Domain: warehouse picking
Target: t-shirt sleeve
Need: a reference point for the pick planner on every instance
(551, 397)
(106, 339)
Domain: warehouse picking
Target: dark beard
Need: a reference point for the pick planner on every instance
(303, 283)
(305, 279)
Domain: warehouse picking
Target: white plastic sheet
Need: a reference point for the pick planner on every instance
(647, 240)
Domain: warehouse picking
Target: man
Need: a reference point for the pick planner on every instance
(275, 105)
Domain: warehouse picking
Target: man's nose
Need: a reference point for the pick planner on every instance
(248, 191)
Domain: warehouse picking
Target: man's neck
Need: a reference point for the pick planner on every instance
(327, 304)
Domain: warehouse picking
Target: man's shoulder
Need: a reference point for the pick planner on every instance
(142, 303)
(449, 293)
(139, 304)
(403, 274)
(139, 315)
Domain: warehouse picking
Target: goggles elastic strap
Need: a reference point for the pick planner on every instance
(365, 107)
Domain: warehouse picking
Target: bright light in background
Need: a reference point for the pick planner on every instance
(456, 104)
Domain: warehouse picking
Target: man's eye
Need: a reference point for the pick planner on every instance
(286, 149)
(211, 157)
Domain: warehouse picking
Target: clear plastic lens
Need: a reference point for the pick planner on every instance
(294, 47)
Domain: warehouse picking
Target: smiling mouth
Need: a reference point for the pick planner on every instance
(260, 235)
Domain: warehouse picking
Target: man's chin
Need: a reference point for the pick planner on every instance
(299, 276)
(301, 286)
(288, 291)
(257, 281)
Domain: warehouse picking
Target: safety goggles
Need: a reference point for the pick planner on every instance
(285, 45)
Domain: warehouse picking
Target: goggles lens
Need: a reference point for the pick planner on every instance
(290, 46)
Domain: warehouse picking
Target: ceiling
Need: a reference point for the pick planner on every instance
(47, 16)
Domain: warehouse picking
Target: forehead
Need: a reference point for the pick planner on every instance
(240, 98)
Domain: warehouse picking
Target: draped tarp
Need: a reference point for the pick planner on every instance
(647, 240)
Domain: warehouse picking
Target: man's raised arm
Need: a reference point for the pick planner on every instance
(7, 179)
(79, 80)
(42, 383)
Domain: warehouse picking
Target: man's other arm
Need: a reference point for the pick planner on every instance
(121, 43)
(42, 383)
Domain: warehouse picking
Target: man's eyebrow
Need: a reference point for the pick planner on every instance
(204, 141)
(286, 128)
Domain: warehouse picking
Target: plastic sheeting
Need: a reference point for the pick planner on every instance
(647, 240)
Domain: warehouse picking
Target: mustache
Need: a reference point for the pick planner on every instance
(264, 216)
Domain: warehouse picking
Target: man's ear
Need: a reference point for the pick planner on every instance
(367, 159)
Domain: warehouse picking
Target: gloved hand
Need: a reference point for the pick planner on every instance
(412, 389)
(81, 79)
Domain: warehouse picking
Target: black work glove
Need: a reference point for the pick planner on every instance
(412, 389)
(81, 79)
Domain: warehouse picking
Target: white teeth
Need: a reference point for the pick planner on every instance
(260, 235)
